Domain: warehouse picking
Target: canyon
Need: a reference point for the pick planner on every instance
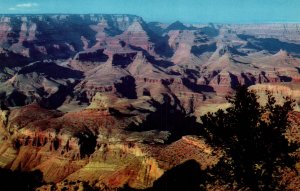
(110, 100)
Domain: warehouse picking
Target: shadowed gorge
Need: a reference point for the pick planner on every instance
(21, 180)
(167, 117)
(97, 56)
(271, 44)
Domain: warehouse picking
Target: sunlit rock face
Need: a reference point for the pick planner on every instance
(62, 61)
(92, 146)
(107, 100)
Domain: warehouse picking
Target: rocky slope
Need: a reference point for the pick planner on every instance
(106, 53)
(92, 146)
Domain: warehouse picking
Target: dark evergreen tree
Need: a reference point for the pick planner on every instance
(252, 137)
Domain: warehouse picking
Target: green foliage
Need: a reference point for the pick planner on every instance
(252, 138)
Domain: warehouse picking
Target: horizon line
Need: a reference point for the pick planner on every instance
(170, 22)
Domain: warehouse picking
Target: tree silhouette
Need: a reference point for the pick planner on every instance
(252, 137)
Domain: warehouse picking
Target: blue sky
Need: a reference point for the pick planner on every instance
(189, 11)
